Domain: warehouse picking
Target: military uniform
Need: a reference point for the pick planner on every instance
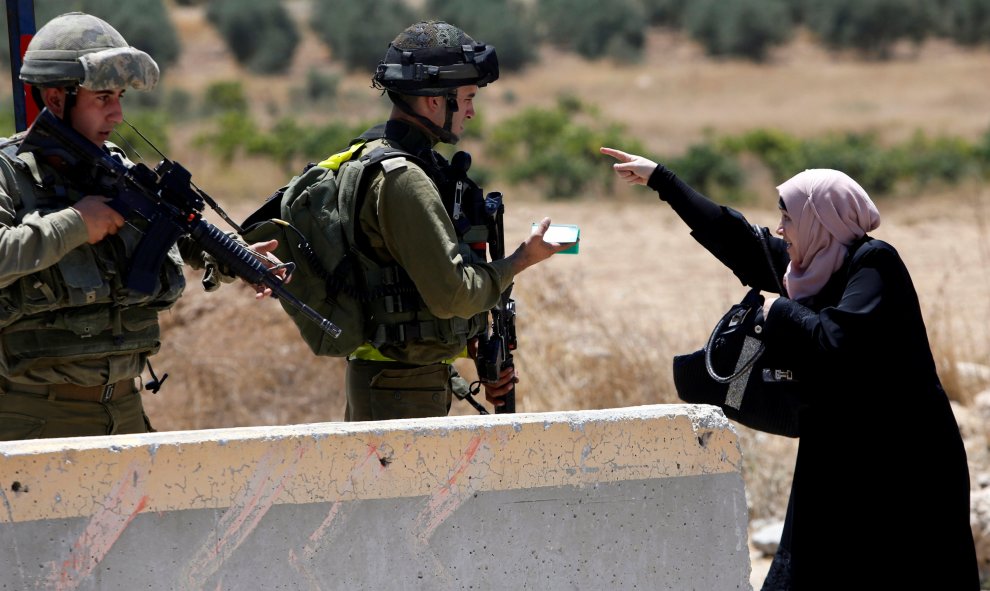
(404, 224)
(73, 338)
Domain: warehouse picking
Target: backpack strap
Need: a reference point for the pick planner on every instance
(378, 156)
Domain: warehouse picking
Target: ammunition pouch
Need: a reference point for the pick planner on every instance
(90, 332)
(86, 276)
(399, 318)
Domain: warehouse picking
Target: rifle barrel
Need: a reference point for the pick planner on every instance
(243, 263)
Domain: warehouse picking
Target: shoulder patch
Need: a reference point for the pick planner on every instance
(393, 164)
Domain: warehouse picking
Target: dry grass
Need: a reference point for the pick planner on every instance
(598, 329)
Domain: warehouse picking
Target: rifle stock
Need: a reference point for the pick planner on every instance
(165, 198)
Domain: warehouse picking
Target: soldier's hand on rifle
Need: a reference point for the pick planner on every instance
(507, 380)
(100, 218)
(263, 251)
(535, 250)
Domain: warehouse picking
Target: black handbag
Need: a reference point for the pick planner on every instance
(737, 373)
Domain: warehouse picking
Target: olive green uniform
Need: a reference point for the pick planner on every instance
(73, 339)
(404, 222)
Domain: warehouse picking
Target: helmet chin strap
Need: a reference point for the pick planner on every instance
(443, 134)
(70, 103)
(448, 121)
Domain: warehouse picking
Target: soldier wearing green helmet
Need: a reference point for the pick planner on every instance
(73, 339)
(432, 72)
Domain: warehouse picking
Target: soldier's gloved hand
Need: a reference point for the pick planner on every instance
(215, 274)
(459, 386)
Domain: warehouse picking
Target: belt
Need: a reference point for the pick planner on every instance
(102, 393)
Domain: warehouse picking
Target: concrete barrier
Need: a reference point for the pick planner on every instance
(637, 498)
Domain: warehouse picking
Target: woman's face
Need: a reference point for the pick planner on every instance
(787, 231)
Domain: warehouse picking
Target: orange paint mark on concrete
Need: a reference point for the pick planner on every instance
(363, 467)
(443, 503)
(121, 505)
(246, 511)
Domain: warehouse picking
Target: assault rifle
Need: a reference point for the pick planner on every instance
(495, 348)
(165, 198)
(470, 210)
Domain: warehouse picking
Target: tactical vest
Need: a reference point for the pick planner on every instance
(79, 307)
(400, 319)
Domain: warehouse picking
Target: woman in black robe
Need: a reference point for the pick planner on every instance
(880, 496)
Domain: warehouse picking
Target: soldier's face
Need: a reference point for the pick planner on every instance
(97, 113)
(465, 108)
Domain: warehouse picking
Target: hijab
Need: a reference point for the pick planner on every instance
(829, 211)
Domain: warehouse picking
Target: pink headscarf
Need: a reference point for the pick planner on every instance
(830, 211)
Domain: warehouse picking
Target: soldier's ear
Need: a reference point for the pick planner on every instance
(54, 99)
(435, 103)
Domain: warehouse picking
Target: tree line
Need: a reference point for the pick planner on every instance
(553, 148)
(263, 36)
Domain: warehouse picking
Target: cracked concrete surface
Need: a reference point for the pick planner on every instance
(646, 497)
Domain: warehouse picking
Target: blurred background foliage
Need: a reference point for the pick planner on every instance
(263, 36)
(260, 33)
(553, 149)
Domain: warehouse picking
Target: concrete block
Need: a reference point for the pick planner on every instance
(636, 498)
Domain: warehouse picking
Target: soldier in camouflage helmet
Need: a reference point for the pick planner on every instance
(432, 72)
(78, 61)
(79, 49)
(73, 338)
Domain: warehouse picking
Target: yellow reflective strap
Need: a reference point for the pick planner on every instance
(367, 352)
(334, 162)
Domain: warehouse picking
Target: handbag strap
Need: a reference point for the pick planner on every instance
(762, 234)
(741, 368)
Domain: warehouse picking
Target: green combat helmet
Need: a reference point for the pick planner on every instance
(77, 49)
(433, 58)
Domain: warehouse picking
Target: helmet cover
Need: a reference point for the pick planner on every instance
(432, 57)
(81, 49)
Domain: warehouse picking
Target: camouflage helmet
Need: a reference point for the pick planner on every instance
(81, 49)
(432, 57)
